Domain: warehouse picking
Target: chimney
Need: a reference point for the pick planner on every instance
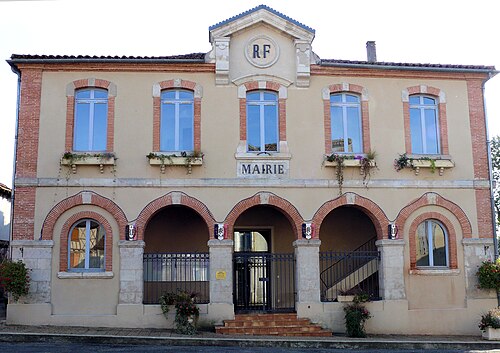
(371, 51)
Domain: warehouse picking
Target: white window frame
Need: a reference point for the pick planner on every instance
(262, 103)
(92, 101)
(87, 267)
(422, 108)
(176, 102)
(344, 105)
(428, 223)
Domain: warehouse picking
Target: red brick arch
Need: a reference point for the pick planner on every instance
(452, 238)
(433, 199)
(265, 198)
(63, 257)
(173, 198)
(370, 208)
(90, 198)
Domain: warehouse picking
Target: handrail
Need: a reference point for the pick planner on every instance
(369, 244)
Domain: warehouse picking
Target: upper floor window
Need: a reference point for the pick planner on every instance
(431, 244)
(262, 121)
(346, 130)
(177, 120)
(91, 120)
(424, 125)
(86, 246)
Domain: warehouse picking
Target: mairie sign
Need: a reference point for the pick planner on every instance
(263, 169)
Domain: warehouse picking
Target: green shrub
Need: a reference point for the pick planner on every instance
(488, 275)
(186, 311)
(14, 278)
(490, 319)
(355, 317)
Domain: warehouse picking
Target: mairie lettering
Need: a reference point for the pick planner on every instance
(264, 168)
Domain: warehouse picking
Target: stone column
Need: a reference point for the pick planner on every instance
(131, 271)
(391, 276)
(221, 280)
(37, 256)
(476, 250)
(307, 281)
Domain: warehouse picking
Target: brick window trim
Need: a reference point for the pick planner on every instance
(71, 88)
(345, 87)
(266, 85)
(197, 90)
(433, 199)
(440, 96)
(63, 255)
(452, 238)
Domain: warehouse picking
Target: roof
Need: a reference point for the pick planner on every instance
(196, 58)
(255, 9)
(5, 192)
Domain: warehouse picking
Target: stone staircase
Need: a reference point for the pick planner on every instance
(271, 325)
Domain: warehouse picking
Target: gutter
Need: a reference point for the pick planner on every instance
(14, 162)
(490, 176)
(491, 72)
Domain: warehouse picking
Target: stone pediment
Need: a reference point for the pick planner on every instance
(261, 41)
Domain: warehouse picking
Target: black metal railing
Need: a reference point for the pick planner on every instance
(173, 272)
(343, 271)
(264, 282)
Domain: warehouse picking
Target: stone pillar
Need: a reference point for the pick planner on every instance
(221, 280)
(391, 276)
(221, 49)
(131, 271)
(221, 271)
(37, 256)
(307, 281)
(476, 250)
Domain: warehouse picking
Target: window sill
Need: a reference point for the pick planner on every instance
(255, 156)
(89, 159)
(350, 163)
(85, 275)
(164, 160)
(434, 162)
(435, 272)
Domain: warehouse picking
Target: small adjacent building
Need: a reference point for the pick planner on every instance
(5, 205)
(258, 175)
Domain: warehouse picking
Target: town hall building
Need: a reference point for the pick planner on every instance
(260, 176)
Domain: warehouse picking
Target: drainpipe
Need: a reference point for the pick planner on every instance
(13, 194)
(490, 175)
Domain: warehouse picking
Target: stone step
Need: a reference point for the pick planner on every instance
(287, 324)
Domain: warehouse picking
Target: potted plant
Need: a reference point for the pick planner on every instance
(186, 311)
(490, 324)
(356, 315)
(14, 278)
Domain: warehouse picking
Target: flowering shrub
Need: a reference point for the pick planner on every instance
(490, 319)
(186, 311)
(14, 278)
(488, 275)
(355, 316)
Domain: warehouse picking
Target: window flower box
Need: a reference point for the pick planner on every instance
(416, 162)
(73, 159)
(354, 163)
(164, 160)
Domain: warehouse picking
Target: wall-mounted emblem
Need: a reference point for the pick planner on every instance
(262, 51)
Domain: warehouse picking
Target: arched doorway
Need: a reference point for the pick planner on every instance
(348, 255)
(263, 261)
(176, 254)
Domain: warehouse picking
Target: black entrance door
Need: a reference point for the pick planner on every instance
(262, 281)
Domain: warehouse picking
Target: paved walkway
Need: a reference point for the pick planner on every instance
(18, 333)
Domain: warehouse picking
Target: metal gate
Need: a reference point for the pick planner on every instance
(264, 282)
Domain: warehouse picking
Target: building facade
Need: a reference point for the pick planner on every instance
(257, 175)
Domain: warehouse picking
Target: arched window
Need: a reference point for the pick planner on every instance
(177, 121)
(86, 246)
(262, 121)
(91, 120)
(431, 242)
(424, 125)
(346, 129)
